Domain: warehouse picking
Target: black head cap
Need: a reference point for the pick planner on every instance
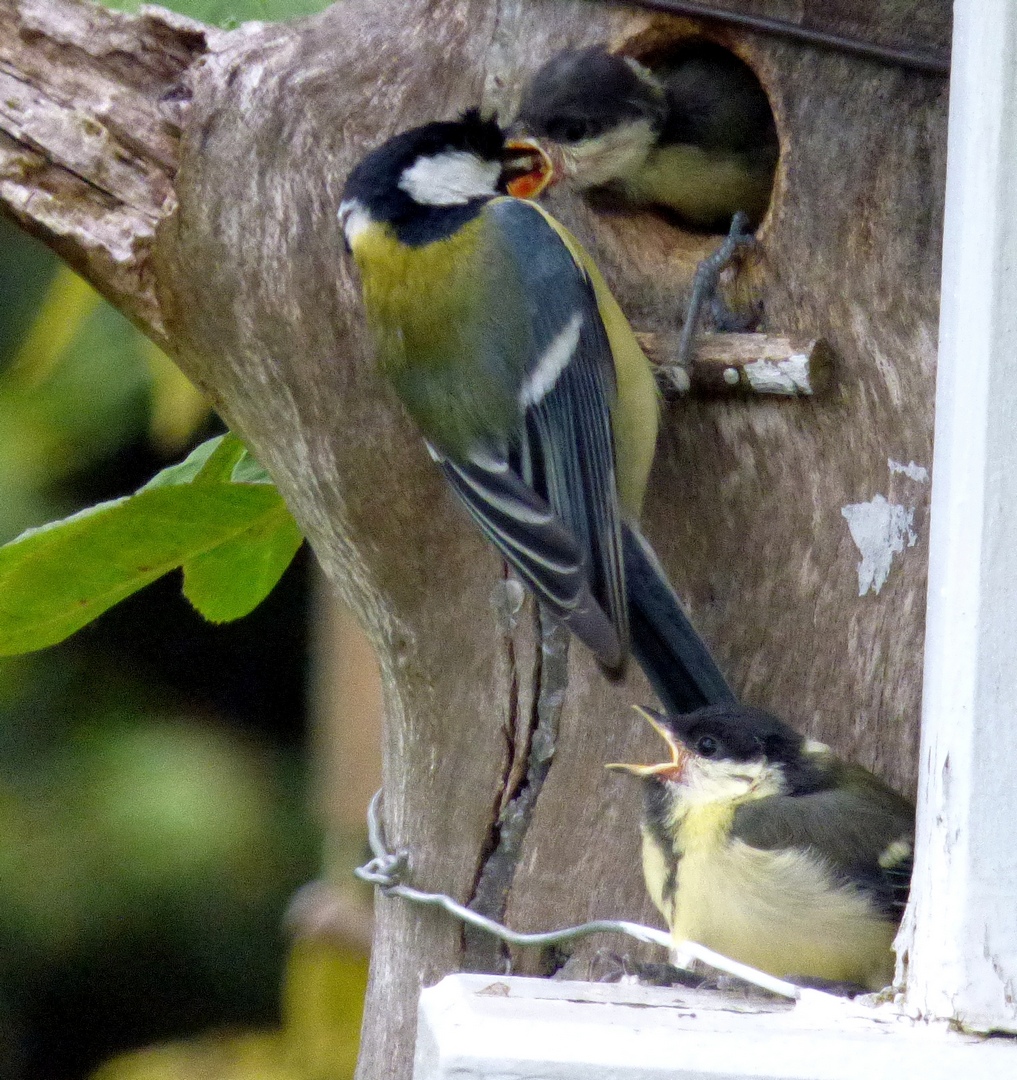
(741, 733)
(374, 182)
(581, 93)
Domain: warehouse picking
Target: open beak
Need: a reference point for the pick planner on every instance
(529, 168)
(666, 770)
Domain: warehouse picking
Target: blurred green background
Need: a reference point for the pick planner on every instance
(154, 815)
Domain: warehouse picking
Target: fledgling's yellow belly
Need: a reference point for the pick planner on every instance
(705, 187)
(777, 911)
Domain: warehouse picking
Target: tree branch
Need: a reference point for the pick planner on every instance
(91, 103)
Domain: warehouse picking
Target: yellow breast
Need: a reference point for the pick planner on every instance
(705, 186)
(779, 911)
(416, 296)
(450, 333)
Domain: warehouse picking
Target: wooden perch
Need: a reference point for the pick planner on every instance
(744, 363)
(194, 177)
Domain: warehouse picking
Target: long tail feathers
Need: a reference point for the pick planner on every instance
(665, 644)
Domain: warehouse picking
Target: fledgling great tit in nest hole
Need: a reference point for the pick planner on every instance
(694, 136)
(764, 846)
(520, 370)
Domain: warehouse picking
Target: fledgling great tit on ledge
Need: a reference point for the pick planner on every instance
(516, 363)
(695, 135)
(764, 846)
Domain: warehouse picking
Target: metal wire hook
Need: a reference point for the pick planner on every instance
(388, 871)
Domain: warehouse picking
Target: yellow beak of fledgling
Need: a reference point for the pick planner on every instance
(666, 770)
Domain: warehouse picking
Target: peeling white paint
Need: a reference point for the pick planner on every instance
(912, 471)
(790, 376)
(879, 529)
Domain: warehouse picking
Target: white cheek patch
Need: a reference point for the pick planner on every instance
(354, 218)
(705, 781)
(450, 179)
(552, 363)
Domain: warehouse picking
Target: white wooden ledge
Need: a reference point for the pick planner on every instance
(487, 1027)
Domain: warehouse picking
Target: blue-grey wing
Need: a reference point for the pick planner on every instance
(534, 540)
(548, 499)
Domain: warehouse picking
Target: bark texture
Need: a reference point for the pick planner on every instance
(194, 176)
(90, 108)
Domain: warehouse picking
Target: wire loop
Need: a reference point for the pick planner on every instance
(389, 872)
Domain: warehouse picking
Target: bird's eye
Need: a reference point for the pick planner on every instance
(706, 746)
(570, 131)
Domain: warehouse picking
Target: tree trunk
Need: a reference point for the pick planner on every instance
(194, 177)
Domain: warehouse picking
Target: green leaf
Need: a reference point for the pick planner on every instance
(221, 462)
(216, 514)
(248, 471)
(55, 579)
(222, 458)
(98, 508)
(185, 471)
(232, 580)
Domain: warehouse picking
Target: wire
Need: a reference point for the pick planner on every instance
(704, 284)
(932, 62)
(388, 872)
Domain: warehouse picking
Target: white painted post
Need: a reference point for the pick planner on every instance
(963, 956)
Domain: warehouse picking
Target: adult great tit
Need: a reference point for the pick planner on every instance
(511, 355)
(762, 845)
(695, 135)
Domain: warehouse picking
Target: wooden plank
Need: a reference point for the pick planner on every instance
(494, 1028)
